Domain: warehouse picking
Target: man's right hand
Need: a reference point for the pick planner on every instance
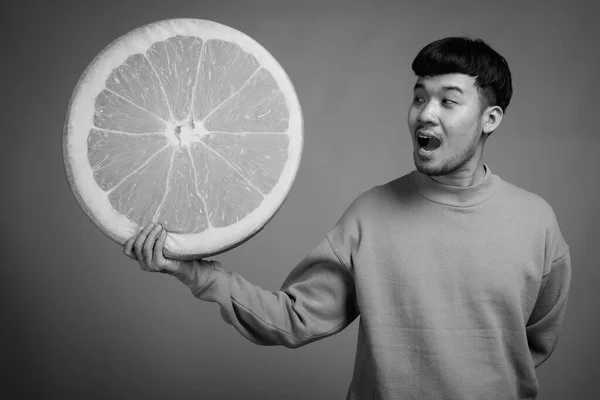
(147, 249)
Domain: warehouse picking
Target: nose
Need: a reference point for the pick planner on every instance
(427, 113)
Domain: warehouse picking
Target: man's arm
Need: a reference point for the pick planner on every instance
(316, 300)
(546, 319)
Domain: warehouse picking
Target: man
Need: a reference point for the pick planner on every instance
(460, 278)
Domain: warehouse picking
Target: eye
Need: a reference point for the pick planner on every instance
(418, 100)
(448, 102)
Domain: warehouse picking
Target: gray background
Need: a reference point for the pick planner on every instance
(80, 320)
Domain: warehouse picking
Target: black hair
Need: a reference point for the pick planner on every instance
(471, 57)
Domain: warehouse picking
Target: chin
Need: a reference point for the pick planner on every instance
(429, 167)
(430, 170)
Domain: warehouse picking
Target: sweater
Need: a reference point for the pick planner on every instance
(460, 292)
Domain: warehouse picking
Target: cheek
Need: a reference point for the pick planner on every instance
(412, 117)
(460, 129)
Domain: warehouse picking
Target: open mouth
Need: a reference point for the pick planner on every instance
(428, 143)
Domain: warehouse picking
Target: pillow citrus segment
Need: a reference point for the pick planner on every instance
(117, 113)
(258, 157)
(182, 209)
(258, 107)
(135, 80)
(224, 69)
(114, 155)
(229, 196)
(140, 194)
(175, 61)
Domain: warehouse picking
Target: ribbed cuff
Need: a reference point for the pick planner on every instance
(194, 274)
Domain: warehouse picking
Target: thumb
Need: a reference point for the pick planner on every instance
(164, 263)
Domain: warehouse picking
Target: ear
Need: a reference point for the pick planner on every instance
(491, 119)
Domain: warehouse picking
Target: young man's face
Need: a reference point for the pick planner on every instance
(447, 108)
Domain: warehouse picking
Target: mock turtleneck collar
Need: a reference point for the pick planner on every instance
(455, 195)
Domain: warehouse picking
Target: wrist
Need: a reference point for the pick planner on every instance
(195, 273)
(180, 267)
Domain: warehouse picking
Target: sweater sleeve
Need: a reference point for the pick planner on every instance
(547, 316)
(316, 300)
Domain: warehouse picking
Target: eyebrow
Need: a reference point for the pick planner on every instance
(446, 88)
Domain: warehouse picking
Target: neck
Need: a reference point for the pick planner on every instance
(466, 176)
(453, 194)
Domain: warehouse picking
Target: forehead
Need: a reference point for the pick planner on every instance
(457, 82)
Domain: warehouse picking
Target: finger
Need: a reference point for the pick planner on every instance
(128, 248)
(139, 241)
(149, 243)
(158, 248)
